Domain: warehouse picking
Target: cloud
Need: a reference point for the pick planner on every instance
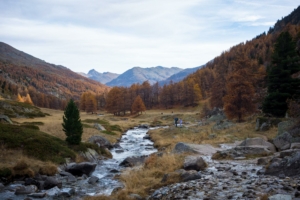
(114, 36)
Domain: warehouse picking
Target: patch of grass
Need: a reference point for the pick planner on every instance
(35, 143)
(87, 126)
(108, 132)
(109, 128)
(34, 123)
(5, 172)
(30, 126)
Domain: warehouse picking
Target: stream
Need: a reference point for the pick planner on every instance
(132, 143)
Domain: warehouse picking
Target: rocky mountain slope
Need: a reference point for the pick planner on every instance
(139, 75)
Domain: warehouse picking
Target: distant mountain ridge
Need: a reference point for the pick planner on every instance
(104, 77)
(140, 75)
(180, 75)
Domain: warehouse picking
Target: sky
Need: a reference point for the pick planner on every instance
(116, 35)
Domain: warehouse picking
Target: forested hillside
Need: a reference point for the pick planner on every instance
(246, 63)
(48, 85)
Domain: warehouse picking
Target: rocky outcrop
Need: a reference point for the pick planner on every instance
(258, 142)
(100, 141)
(248, 148)
(91, 155)
(289, 165)
(78, 169)
(285, 126)
(283, 141)
(133, 161)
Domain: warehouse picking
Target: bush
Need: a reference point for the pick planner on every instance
(5, 172)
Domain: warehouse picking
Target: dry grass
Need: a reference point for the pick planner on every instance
(21, 165)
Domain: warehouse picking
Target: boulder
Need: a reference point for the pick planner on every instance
(93, 180)
(285, 126)
(194, 163)
(37, 195)
(78, 169)
(183, 148)
(133, 161)
(288, 166)
(67, 192)
(190, 175)
(100, 141)
(91, 155)
(99, 127)
(51, 182)
(263, 161)
(147, 137)
(258, 142)
(53, 192)
(136, 197)
(283, 141)
(26, 190)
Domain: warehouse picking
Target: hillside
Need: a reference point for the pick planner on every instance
(48, 84)
(139, 75)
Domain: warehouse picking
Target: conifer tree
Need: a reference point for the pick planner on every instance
(72, 124)
(138, 105)
(281, 86)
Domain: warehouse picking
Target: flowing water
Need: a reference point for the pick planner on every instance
(131, 144)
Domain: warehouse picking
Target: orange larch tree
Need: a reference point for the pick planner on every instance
(138, 105)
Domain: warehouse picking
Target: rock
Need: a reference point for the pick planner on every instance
(53, 192)
(93, 180)
(26, 190)
(172, 177)
(136, 197)
(265, 126)
(114, 171)
(1, 186)
(217, 117)
(31, 181)
(91, 155)
(220, 125)
(64, 173)
(145, 126)
(190, 175)
(51, 182)
(71, 178)
(37, 195)
(288, 152)
(100, 141)
(67, 192)
(258, 142)
(295, 146)
(147, 137)
(289, 165)
(183, 148)
(119, 150)
(285, 126)
(78, 169)
(99, 127)
(263, 161)
(194, 163)
(116, 146)
(280, 197)
(283, 141)
(133, 161)
(6, 119)
(257, 124)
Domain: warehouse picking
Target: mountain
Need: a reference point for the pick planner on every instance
(139, 75)
(23, 73)
(104, 77)
(180, 75)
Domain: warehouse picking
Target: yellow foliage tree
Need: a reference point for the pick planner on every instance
(138, 105)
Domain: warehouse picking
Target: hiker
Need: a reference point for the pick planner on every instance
(180, 122)
(176, 120)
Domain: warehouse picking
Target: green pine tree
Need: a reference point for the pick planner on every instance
(72, 124)
(281, 86)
